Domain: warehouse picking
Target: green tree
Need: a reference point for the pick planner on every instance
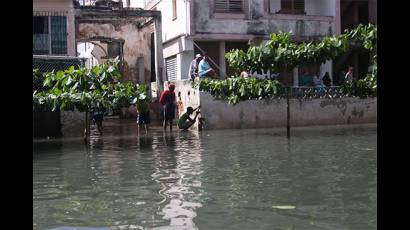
(85, 89)
(280, 53)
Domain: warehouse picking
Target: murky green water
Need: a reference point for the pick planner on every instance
(227, 179)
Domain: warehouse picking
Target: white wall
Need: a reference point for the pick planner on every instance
(172, 28)
(186, 58)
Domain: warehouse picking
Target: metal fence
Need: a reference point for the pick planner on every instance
(46, 64)
(49, 63)
(304, 92)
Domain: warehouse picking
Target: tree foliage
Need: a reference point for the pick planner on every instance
(279, 54)
(240, 89)
(84, 89)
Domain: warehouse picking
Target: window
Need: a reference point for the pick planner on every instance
(174, 9)
(49, 35)
(171, 65)
(292, 6)
(228, 6)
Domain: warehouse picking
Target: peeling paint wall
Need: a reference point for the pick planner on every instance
(136, 44)
(258, 20)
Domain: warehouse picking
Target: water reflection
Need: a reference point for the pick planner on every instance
(179, 173)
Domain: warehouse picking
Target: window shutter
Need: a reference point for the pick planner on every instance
(286, 6)
(225, 6)
(221, 6)
(235, 5)
(299, 6)
(171, 68)
(58, 34)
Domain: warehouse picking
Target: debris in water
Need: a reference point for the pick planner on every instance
(284, 207)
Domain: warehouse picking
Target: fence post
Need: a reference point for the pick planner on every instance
(288, 114)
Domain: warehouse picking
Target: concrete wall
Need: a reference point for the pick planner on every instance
(272, 113)
(219, 114)
(65, 6)
(72, 123)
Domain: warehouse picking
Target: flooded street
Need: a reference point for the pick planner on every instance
(322, 178)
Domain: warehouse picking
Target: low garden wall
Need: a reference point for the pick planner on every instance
(219, 114)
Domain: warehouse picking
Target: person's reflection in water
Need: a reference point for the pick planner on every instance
(169, 139)
(96, 143)
(145, 142)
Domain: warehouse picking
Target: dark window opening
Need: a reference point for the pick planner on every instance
(212, 50)
(230, 46)
(174, 9)
(58, 35)
(153, 77)
(292, 7)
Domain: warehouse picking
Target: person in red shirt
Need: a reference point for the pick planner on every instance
(167, 100)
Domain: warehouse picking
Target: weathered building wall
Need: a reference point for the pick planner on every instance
(258, 20)
(136, 44)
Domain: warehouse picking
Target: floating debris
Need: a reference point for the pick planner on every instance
(284, 207)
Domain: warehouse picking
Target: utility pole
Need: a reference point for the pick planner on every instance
(288, 113)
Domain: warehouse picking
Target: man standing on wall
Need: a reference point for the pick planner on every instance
(193, 68)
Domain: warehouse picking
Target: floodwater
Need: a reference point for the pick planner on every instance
(322, 178)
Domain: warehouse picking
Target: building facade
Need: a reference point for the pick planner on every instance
(218, 26)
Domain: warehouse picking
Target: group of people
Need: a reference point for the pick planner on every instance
(320, 82)
(168, 102)
(169, 105)
(200, 67)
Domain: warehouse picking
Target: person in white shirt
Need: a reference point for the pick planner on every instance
(349, 74)
(193, 67)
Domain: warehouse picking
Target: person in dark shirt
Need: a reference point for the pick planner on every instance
(98, 117)
(185, 122)
(168, 101)
(143, 114)
(326, 79)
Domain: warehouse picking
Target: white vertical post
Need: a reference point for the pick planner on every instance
(222, 62)
(296, 77)
(159, 60)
